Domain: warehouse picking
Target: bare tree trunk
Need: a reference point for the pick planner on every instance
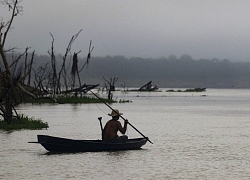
(8, 84)
(74, 70)
(63, 71)
(111, 86)
(30, 67)
(55, 84)
(9, 89)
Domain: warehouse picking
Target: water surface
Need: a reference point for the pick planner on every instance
(196, 136)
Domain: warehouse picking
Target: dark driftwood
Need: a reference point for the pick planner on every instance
(145, 86)
(148, 87)
(84, 88)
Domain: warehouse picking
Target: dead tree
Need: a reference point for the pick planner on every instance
(124, 87)
(54, 79)
(63, 70)
(62, 75)
(86, 63)
(9, 88)
(42, 76)
(74, 71)
(12, 76)
(30, 67)
(110, 86)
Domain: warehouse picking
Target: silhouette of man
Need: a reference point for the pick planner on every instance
(113, 126)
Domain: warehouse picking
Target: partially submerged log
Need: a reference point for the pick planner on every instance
(148, 87)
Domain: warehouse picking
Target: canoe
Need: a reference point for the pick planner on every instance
(58, 144)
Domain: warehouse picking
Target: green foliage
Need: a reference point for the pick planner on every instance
(144, 90)
(195, 90)
(188, 90)
(23, 123)
(84, 99)
(69, 100)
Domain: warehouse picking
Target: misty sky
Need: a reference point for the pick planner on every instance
(136, 28)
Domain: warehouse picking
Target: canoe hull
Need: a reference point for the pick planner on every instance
(57, 144)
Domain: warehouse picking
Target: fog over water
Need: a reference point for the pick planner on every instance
(171, 72)
(143, 28)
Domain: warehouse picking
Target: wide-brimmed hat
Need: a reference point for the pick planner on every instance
(115, 112)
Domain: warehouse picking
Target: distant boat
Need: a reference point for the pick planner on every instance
(58, 144)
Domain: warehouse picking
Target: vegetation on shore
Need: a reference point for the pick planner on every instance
(69, 100)
(144, 90)
(189, 90)
(23, 122)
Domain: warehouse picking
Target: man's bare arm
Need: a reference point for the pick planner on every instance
(124, 128)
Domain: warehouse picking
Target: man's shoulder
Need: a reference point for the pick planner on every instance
(113, 122)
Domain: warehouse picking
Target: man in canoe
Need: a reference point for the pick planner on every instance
(112, 126)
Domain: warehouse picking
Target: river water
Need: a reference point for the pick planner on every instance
(195, 136)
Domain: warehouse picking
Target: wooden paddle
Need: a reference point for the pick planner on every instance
(100, 119)
(121, 117)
